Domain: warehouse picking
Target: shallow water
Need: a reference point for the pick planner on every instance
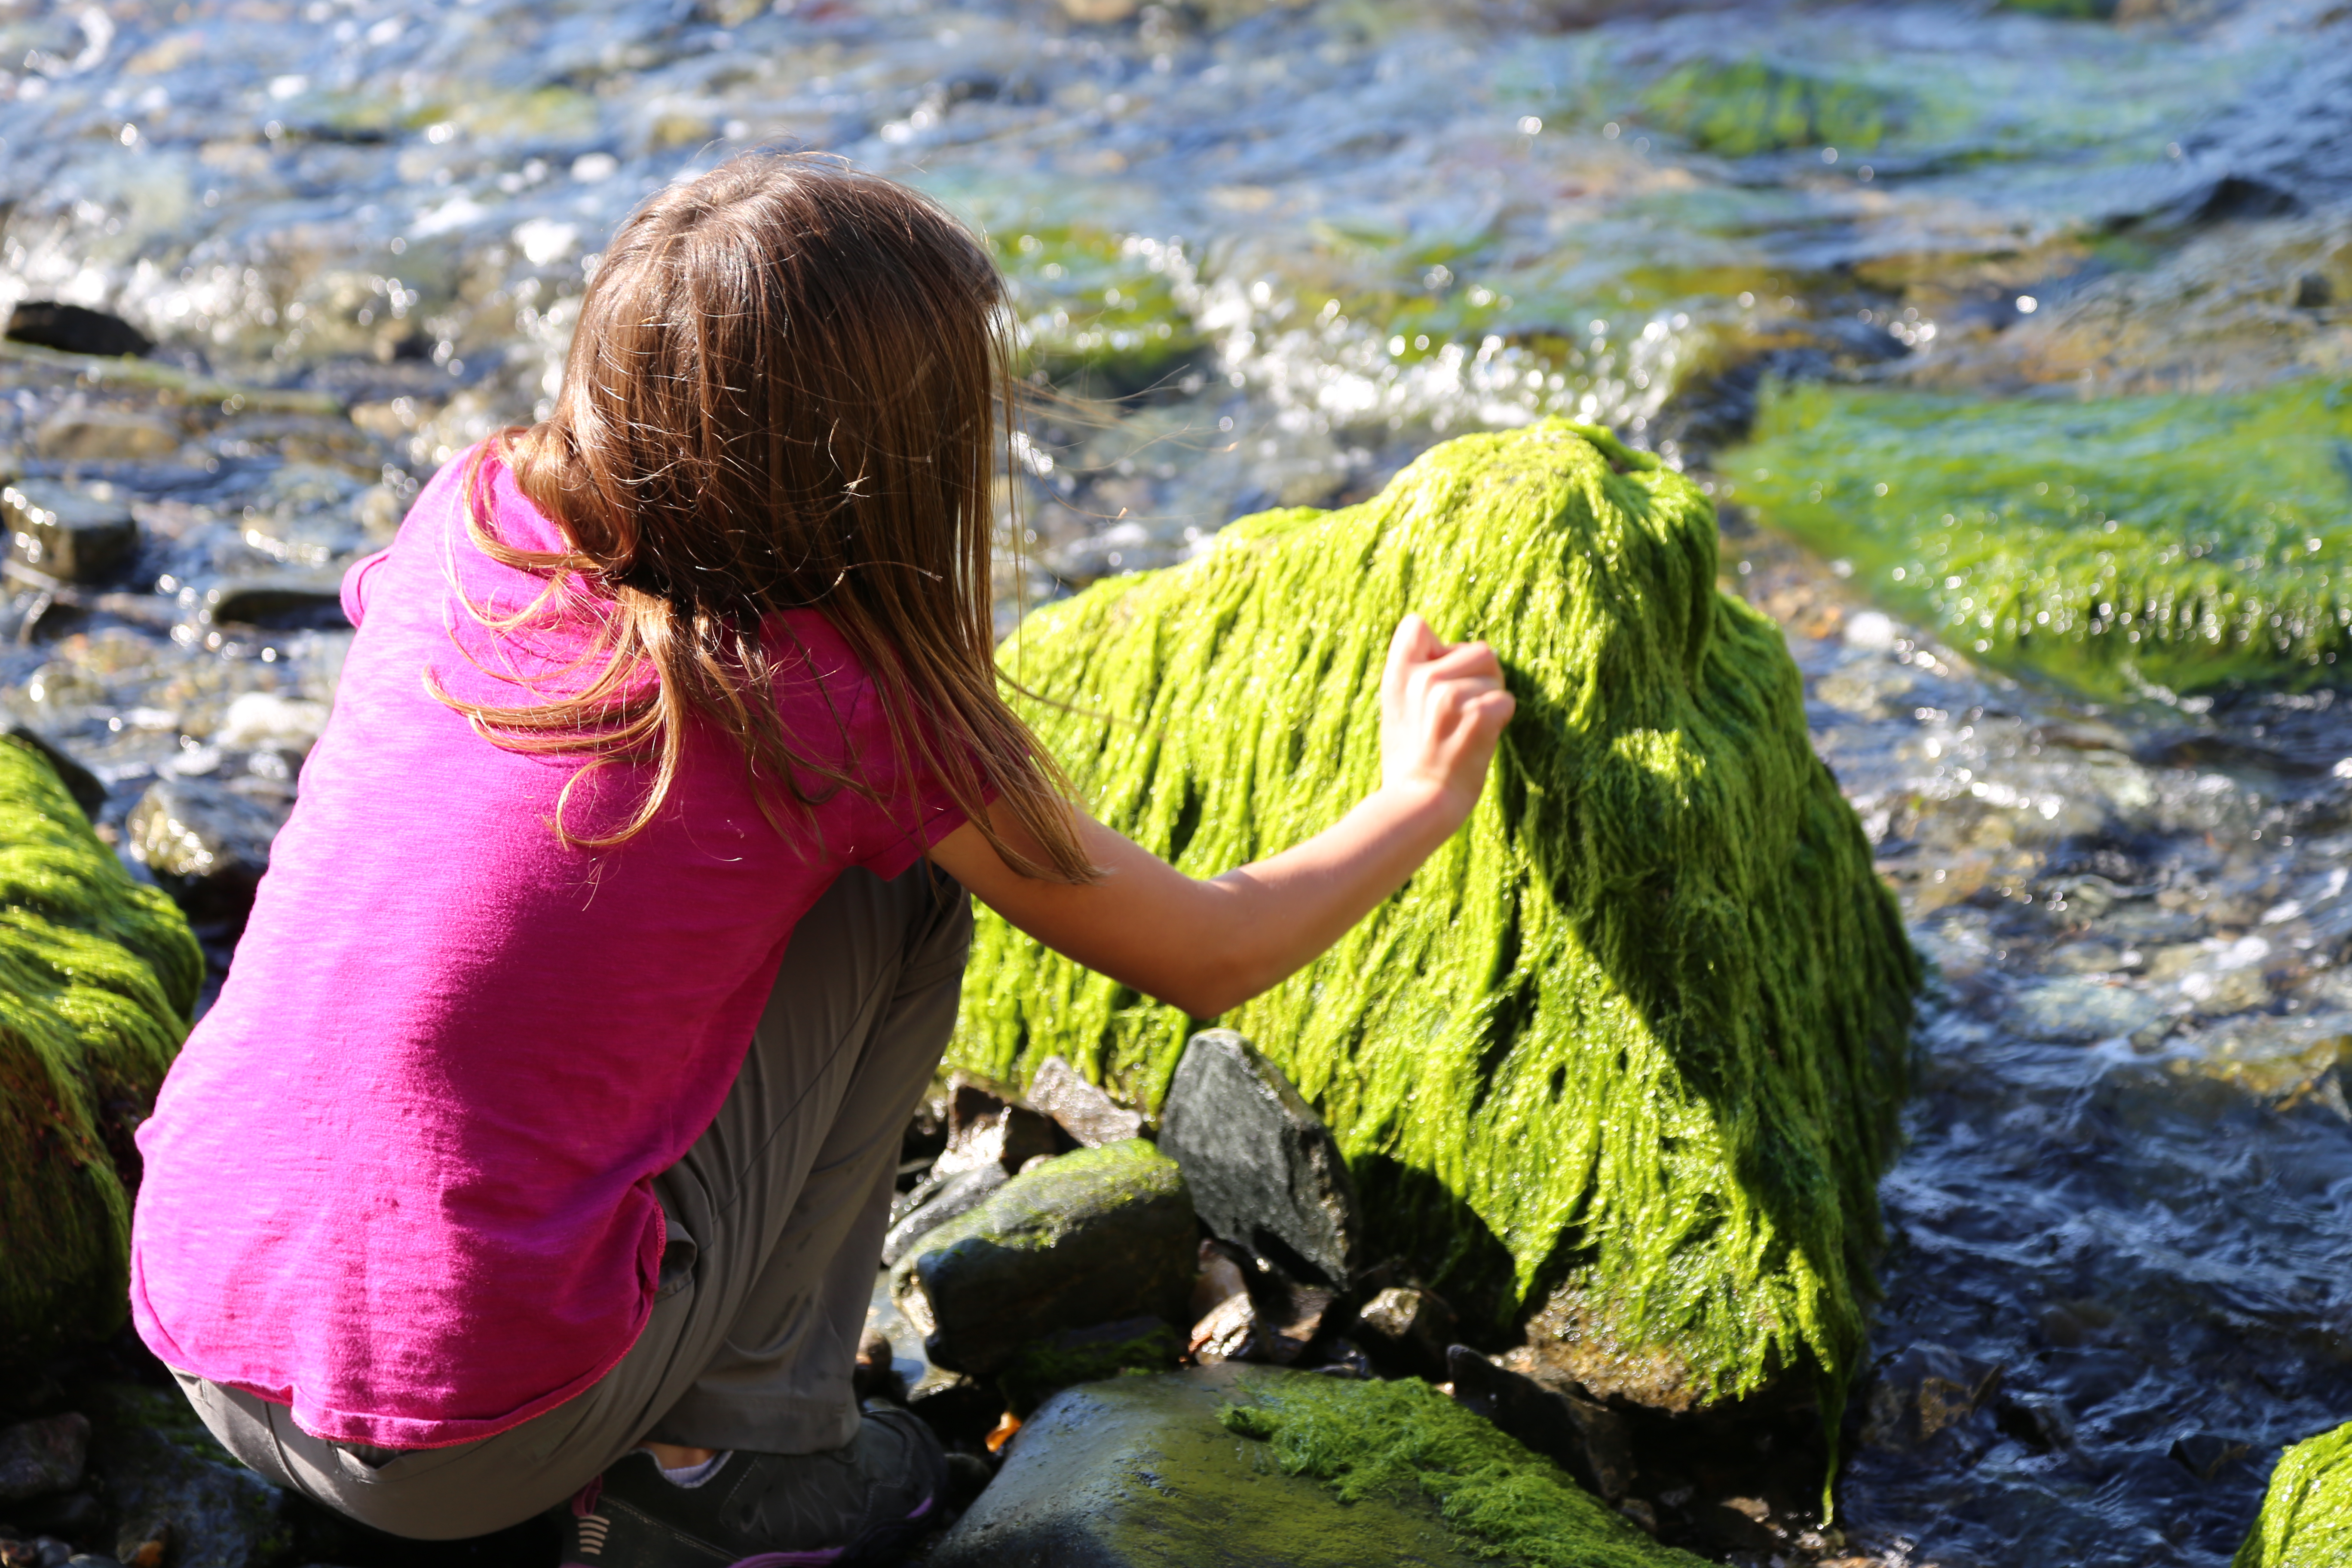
(1300, 244)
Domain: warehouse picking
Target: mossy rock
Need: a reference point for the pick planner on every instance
(2306, 1518)
(1738, 108)
(1100, 309)
(98, 978)
(1643, 1026)
(1096, 1236)
(2182, 542)
(1249, 1467)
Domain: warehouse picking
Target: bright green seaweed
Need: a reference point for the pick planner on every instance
(1365, 1439)
(98, 976)
(2306, 1518)
(2180, 542)
(1642, 1022)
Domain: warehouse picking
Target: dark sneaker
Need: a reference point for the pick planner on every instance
(845, 1506)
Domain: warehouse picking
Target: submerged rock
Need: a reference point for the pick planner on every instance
(1095, 1236)
(38, 1457)
(1263, 1171)
(98, 978)
(75, 328)
(65, 533)
(1756, 105)
(2179, 542)
(1646, 1015)
(206, 842)
(2306, 1518)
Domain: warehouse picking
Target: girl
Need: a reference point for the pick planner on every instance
(543, 1139)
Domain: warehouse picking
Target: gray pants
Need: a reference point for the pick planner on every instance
(776, 1217)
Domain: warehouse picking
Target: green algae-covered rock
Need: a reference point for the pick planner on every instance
(1740, 109)
(1095, 1236)
(98, 976)
(1251, 1467)
(2306, 1518)
(2181, 542)
(1638, 1033)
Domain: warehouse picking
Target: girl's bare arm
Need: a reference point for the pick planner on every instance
(1207, 946)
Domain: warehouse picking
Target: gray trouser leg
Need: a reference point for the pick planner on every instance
(776, 1217)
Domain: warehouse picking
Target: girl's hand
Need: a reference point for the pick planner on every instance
(1443, 708)
(1208, 945)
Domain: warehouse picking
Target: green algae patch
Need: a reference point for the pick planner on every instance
(1384, 1439)
(1643, 1022)
(2306, 1518)
(1751, 105)
(97, 978)
(1100, 306)
(2181, 542)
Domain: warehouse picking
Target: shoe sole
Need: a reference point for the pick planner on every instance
(883, 1535)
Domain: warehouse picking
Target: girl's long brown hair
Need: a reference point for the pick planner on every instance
(784, 393)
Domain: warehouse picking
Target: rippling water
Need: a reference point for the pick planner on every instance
(1266, 253)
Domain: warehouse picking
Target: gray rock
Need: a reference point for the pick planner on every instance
(1412, 1324)
(162, 1468)
(37, 1457)
(985, 1128)
(1139, 1470)
(1583, 1436)
(108, 435)
(272, 603)
(1083, 1111)
(206, 842)
(65, 533)
(1093, 1238)
(948, 1197)
(1265, 1172)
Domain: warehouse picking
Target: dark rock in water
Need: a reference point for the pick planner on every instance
(1263, 1171)
(1413, 1325)
(1139, 1470)
(1083, 1110)
(958, 1408)
(2313, 291)
(75, 328)
(1093, 1238)
(938, 1201)
(1924, 1390)
(1714, 404)
(206, 842)
(1583, 1436)
(2040, 1421)
(874, 1376)
(177, 1492)
(88, 791)
(37, 1457)
(65, 535)
(273, 605)
(1047, 1366)
(2206, 1454)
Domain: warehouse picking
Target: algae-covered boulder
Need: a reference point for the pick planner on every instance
(1095, 1236)
(2184, 541)
(98, 976)
(1636, 1035)
(1742, 108)
(2306, 1518)
(1249, 1467)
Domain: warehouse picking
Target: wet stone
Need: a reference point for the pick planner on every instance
(1413, 1326)
(1082, 1110)
(38, 1457)
(985, 1128)
(180, 1498)
(65, 533)
(74, 329)
(936, 1201)
(273, 605)
(1586, 1438)
(1095, 1237)
(206, 842)
(1265, 1172)
(108, 435)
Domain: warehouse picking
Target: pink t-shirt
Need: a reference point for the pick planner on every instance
(399, 1179)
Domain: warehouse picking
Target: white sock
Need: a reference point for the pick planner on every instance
(692, 1475)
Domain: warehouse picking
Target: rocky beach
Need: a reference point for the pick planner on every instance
(1867, 1091)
